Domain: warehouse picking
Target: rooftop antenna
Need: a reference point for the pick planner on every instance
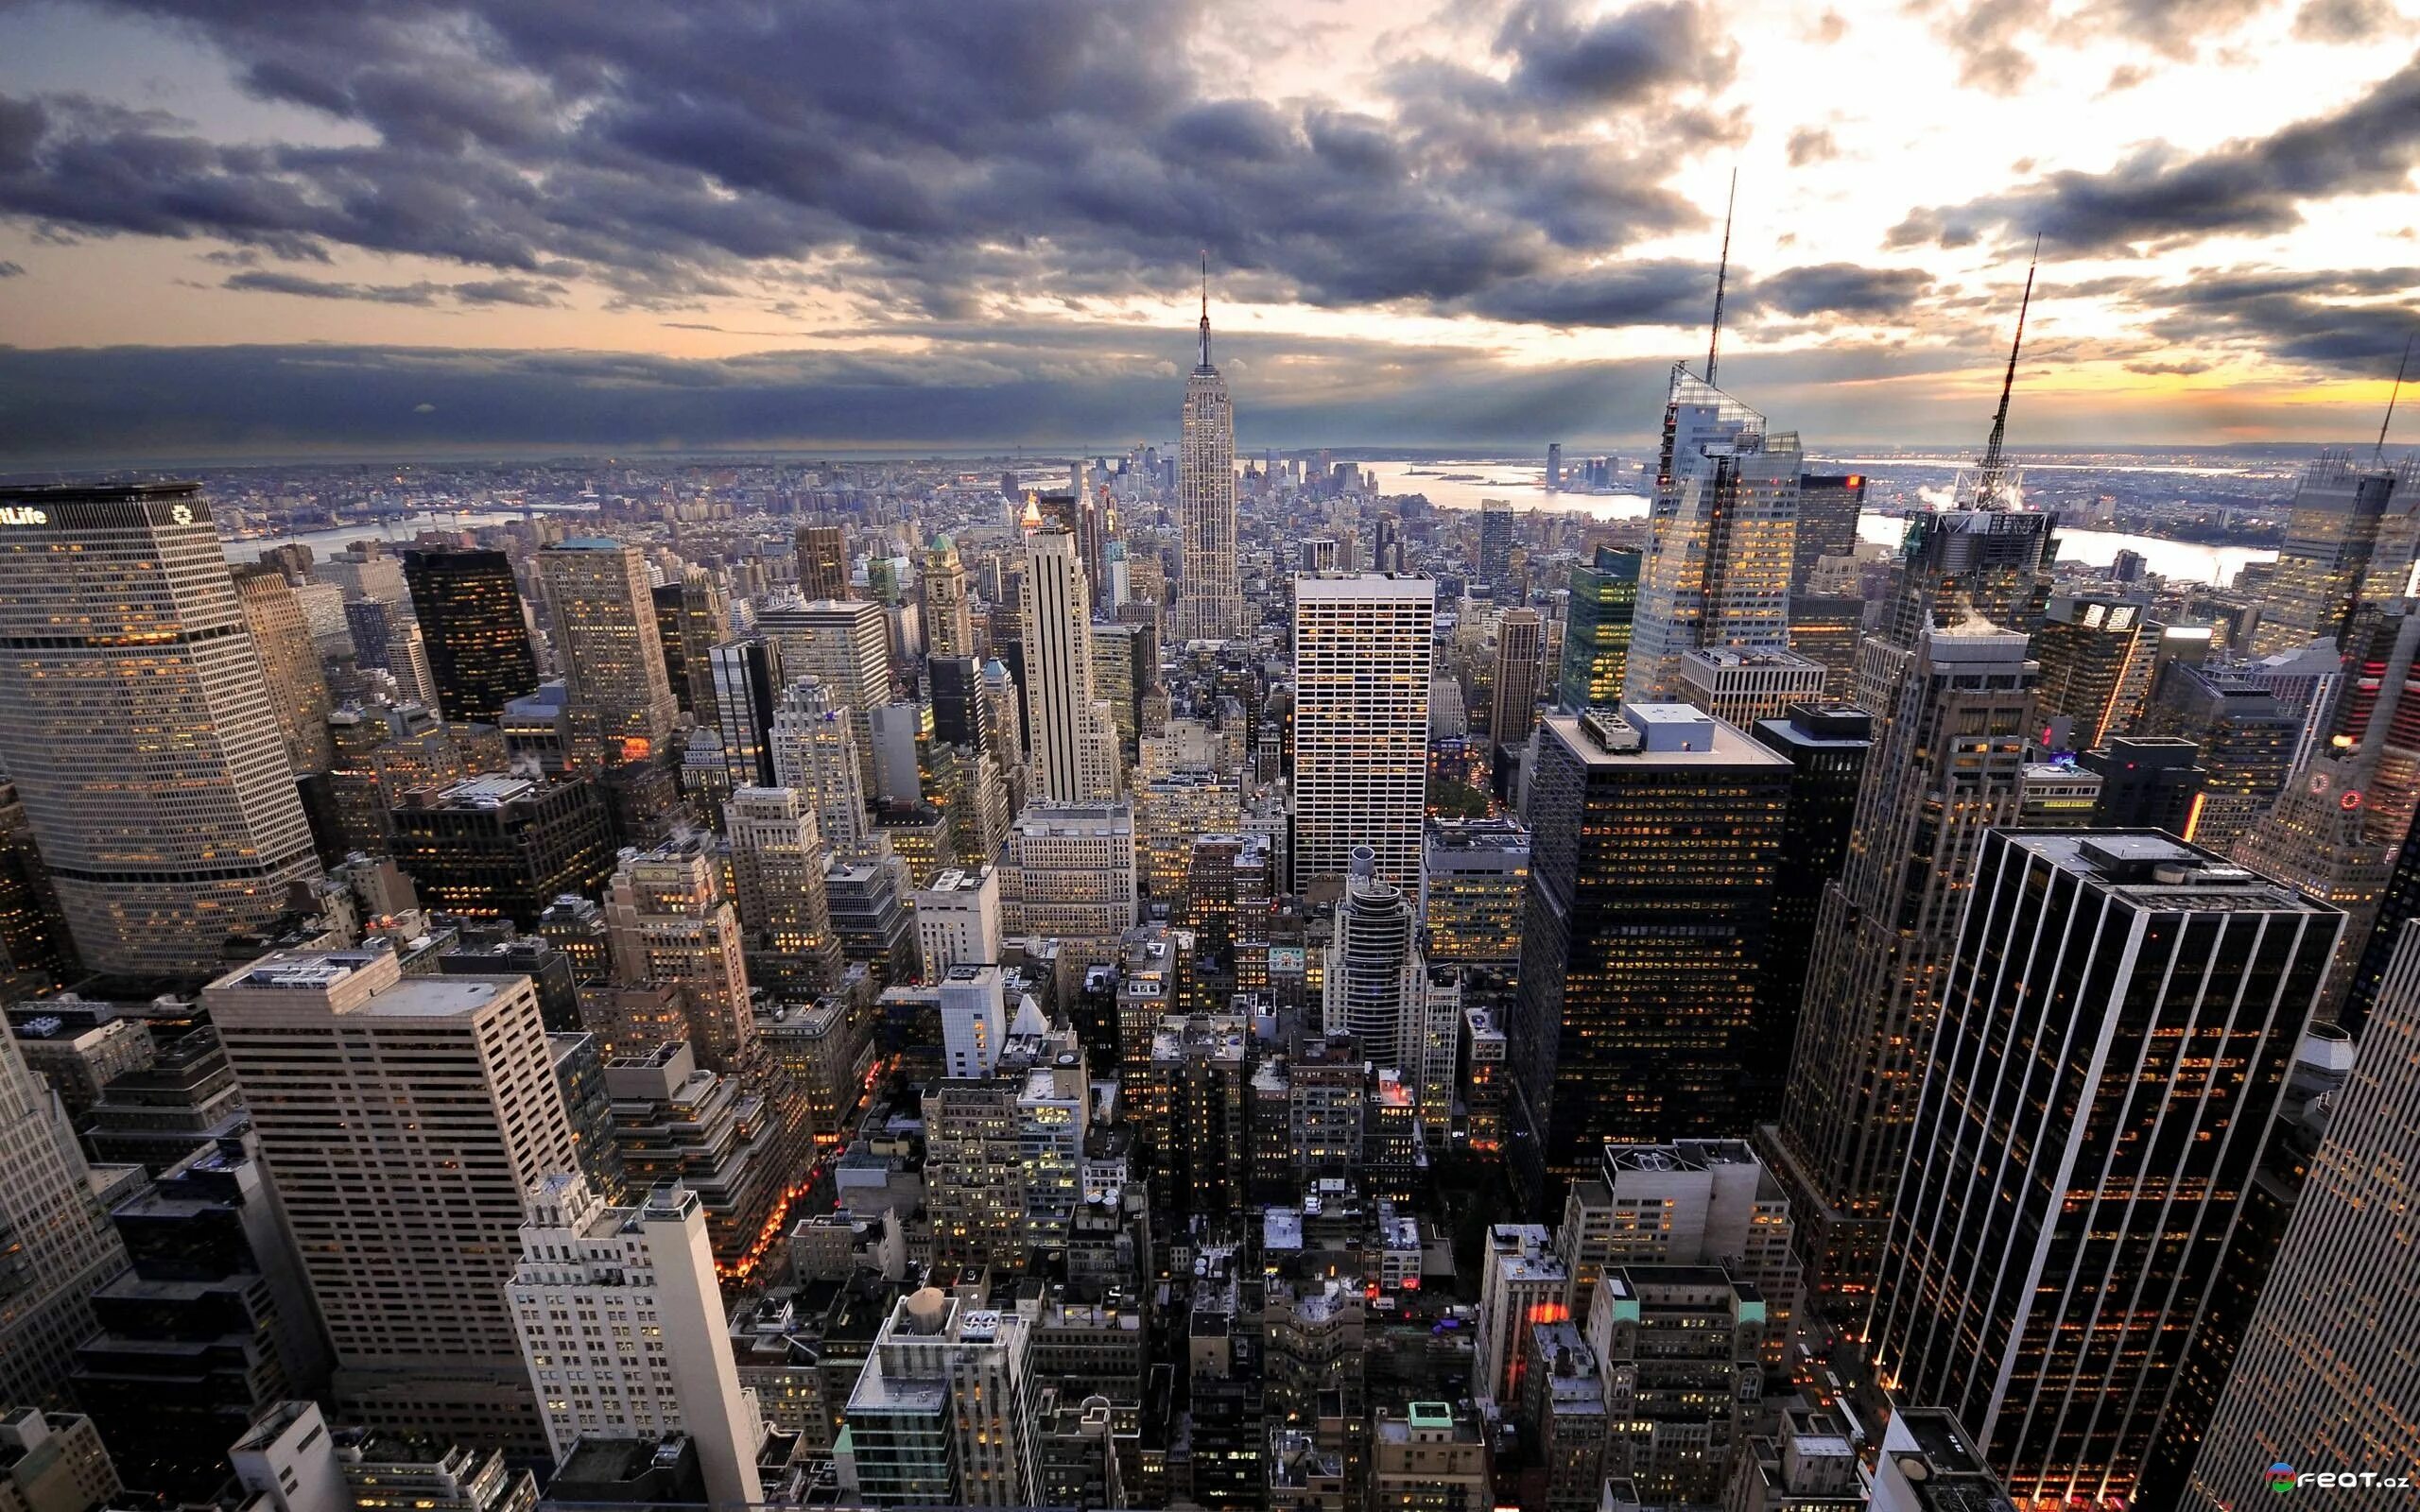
(1987, 480)
(1721, 273)
(1205, 306)
(2378, 455)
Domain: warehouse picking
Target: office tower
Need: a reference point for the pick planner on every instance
(663, 1363)
(960, 716)
(815, 750)
(1430, 1457)
(54, 1462)
(1126, 659)
(2247, 739)
(747, 680)
(470, 612)
(958, 919)
(1943, 768)
(2343, 546)
(1172, 810)
(2096, 652)
(145, 745)
(1955, 566)
(619, 705)
(691, 618)
(1554, 466)
(974, 1019)
(1717, 568)
(1494, 545)
(1318, 556)
(1741, 687)
(298, 688)
(1829, 505)
(212, 1326)
(1827, 629)
(35, 951)
(1362, 663)
(1210, 600)
(399, 1119)
(940, 1413)
(1069, 872)
(1375, 981)
(502, 846)
(293, 1461)
(1810, 1465)
(974, 1168)
(1074, 744)
(669, 923)
(1596, 630)
(1522, 1284)
(1654, 843)
(2322, 1380)
(2376, 714)
(845, 645)
(1826, 745)
(1679, 1347)
(1520, 637)
(62, 1247)
(1685, 1204)
(2147, 782)
(738, 1147)
(822, 562)
(2163, 990)
(1474, 885)
(949, 625)
(898, 776)
(1228, 885)
(777, 861)
(869, 893)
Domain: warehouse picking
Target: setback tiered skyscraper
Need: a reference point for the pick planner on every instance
(619, 703)
(1210, 600)
(1943, 768)
(1363, 656)
(1655, 837)
(1719, 556)
(136, 724)
(298, 686)
(1075, 740)
(2116, 1029)
(59, 1244)
(469, 608)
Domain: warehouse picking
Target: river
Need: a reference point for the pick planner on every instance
(1465, 484)
(401, 528)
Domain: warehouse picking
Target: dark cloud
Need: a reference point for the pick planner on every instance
(1842, 288)
(2175, 369)
(426, 292)
(2337, 322)
(8, 269)
(921, 154)
(1992, 38)
(2344, 21)
(2158, 196)
(1812, 143)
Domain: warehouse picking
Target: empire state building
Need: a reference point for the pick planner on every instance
(1210, 601)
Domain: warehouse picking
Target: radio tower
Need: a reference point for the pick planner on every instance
(1721, 272)
(1993, 472)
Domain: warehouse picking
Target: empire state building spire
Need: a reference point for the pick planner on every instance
(1210, 600)
(1205, 314)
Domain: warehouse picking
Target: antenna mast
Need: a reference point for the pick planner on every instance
(2379, 455)
(1987, 481)
(1206, 307)
(1721, 272)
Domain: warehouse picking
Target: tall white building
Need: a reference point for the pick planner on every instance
(1375, 984)
(137, 724)
(777, 861)
(974, 1019)
(845, 645)
(402, 1119)
(940, 1413)
(958, 919)
(1210, 599)
(1723, 531)
(815, 750)
(1363, 653)
(622, 1327)
(59, 1244)
(1075, 740)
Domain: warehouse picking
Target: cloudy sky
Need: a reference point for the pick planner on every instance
(256, 226)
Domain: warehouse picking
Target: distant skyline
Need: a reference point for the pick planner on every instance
(462, 227)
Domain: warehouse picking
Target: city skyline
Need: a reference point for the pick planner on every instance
(1496, 224)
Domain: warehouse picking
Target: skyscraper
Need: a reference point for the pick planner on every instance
(1375, 981)
(815, 750)
(691, 618)
(747, 675)
(1210, 601)
(1520, 653)
(298, 686)
(2325, 1377)
(2096, 651)
(135, 722)
(61, 1244)
(1829, 505)
(1494, 545)
(949, 625)
(1597, 631)
(649, 1266)
(1075, 740)
(1362, 661)
(1719, 556)
(1826, 745)
(844, 645)
(669, 923)
(619, 705)
(777, 861)
(469, 606)
(2342, 545)
(1655, 837)
(1944, 768)
(2116, 1029)
(401, 1119)
(822, 562)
